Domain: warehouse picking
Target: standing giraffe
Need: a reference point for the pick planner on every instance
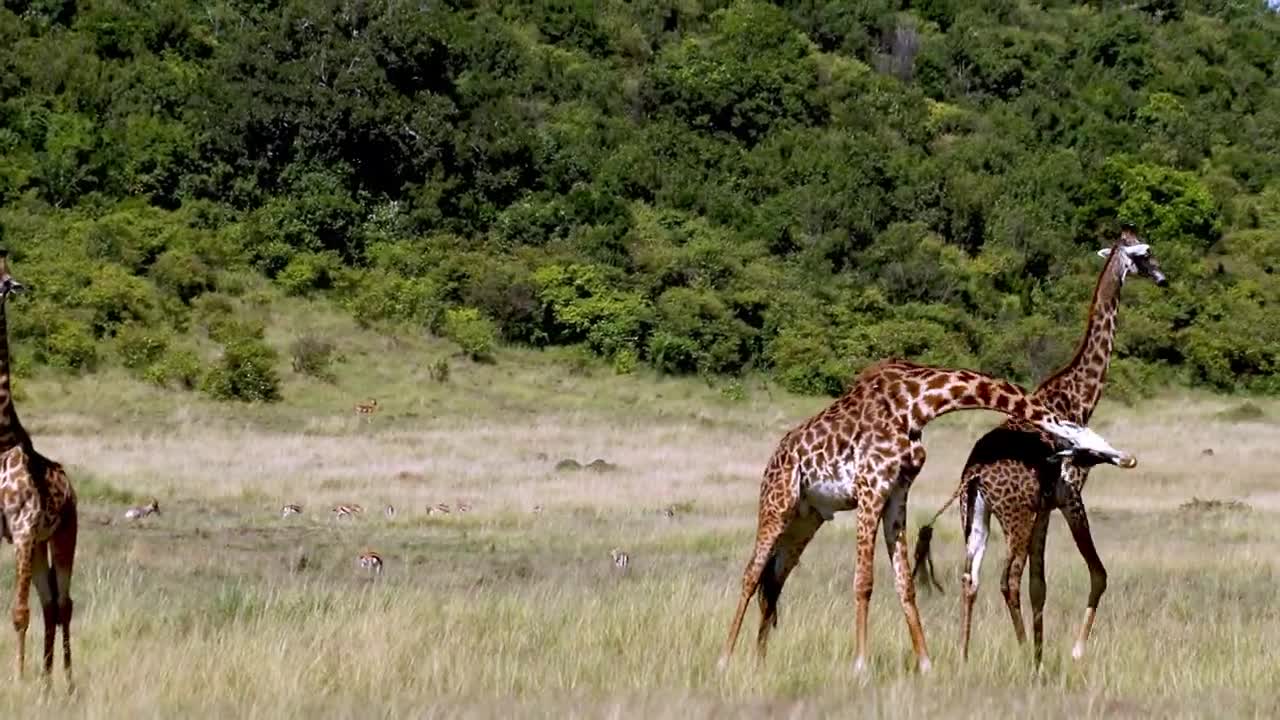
(1009, 472)
(37, 514)
(863, 451)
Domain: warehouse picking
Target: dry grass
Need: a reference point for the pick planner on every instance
(501, 611)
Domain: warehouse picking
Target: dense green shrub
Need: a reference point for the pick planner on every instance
(473, 332)
(139, 347)
(246, 372)
(179, 367)
(797, 187)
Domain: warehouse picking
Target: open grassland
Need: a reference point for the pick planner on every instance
(202, 610)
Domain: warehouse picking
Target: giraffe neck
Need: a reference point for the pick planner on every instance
(1075, 389)
(11, 431)
(939, 391)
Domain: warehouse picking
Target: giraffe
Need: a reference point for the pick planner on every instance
(863, 452)
(37, 514)
(1010, 474)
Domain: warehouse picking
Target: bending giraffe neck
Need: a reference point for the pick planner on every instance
(1076, 388)
(934, 392)
(11, 431)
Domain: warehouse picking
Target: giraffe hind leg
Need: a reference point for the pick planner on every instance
(773, 521)
(42, 578)
(62, 548)
(785, 558)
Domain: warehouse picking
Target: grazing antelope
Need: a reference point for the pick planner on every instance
(367, 408)
(137, 513)
(371, 561)
(389, 511)
(288, 510)
(537, 509)
(343, 510)
(464, 506)
(438, 509)
(669, 512)
(620, 558)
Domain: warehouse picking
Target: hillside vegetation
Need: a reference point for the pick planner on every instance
(702, 187)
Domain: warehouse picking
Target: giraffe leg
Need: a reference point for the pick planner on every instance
(42, 579)
(1039, 536)
(895, 538)
(773, 522)
(24, 547)
(863, 579)
(1078, 521)
(977, 526)
(1017, 522)
(63, 552)
(785, 558)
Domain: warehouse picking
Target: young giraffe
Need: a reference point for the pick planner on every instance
(1009, 472)
(863, 451)
(37, 514)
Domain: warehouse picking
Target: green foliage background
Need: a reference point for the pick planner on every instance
(704, 187)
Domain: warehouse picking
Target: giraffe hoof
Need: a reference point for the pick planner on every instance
(1077, 652)
(722, 664)
(926, 666)
(860, 666)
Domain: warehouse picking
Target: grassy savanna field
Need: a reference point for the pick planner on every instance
(500, 611)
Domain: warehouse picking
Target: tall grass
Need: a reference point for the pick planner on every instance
(500, 612)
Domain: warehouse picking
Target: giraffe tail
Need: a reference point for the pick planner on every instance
(922, 565)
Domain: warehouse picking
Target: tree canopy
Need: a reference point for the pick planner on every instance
(705, 187)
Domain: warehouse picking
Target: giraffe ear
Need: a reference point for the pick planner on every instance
(1139, 250)
(1104, 252)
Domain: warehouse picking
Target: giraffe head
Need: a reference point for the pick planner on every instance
(1136, 256)
(8, 284)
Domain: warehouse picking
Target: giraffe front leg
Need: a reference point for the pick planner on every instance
(1078, 520)
(863, 575)
(21, 610)
(1039, 589)
(895, 538)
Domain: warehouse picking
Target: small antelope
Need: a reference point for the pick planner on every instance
(464, 506)
(290, 509)
(344, 510)
(620, 558)
(669, 512)
(438, 508)
(367, 408)
(137, 513)
(389, 511)
(537, 509)
(371, 561)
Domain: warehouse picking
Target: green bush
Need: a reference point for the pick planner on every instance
(384, 296)
(139, 347)
(307, 272)
(178, 367)
(69, 345)
(246, 372)
(115, 297)
(473, 332)
(695, 332)
(183, 273)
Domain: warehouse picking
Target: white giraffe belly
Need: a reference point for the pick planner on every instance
(830, 494)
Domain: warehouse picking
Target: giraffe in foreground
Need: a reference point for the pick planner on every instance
(1009, 472)
(863, 452)
(37, 514)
